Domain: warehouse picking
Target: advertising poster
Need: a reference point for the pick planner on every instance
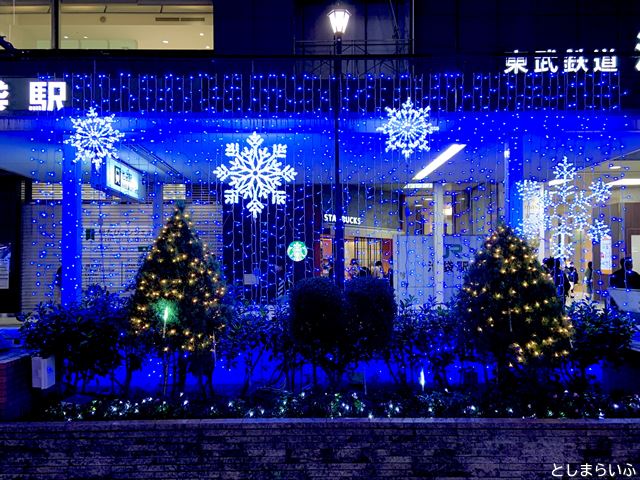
(5, 265)
(606, 255)
(414, 264)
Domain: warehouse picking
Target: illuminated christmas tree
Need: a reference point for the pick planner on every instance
(177, 304)
(509, 309)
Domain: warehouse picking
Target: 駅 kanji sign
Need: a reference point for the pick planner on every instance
(32, 94)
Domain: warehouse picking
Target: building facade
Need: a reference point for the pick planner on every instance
(423, 129)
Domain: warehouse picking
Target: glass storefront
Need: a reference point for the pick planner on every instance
(110, 25)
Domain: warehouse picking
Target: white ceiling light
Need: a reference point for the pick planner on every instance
(558, 181)
(638, 48)
(418, 186)
(625, 182)
(440, 160)
(614, 167)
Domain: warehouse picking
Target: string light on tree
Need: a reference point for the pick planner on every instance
(255, 173)
(408, 129)
(177, 299)
(509, 305)
(94, 138)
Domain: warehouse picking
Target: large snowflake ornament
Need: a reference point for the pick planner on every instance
(408, 128)
(569, 209)
(94, 138)
(255, 173)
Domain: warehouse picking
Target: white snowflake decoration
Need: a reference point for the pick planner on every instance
(408, 129)
(94, 138)
(569, 209)
(255, 174)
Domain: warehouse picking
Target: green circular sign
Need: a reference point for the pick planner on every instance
(297, 251)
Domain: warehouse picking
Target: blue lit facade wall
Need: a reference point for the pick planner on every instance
(177, 127)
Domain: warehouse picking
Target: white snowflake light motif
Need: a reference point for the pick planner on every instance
(255, 173)
(94, 138)
(569, 209)
(408, 129)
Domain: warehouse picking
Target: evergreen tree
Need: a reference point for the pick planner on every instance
(177, 306)
(508, 307)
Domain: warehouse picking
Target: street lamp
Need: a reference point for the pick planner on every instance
(339, 19)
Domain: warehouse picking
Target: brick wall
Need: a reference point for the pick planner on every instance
(309, 449)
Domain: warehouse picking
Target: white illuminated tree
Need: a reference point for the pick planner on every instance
(568, 209)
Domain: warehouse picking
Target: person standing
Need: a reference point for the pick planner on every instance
(625, 276)
(588, 280)
(353, 270)
(378, 270)
(553, 267)
(572, 275)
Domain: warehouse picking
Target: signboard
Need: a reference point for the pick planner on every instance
(123, 179)
(573, 61)
(5, 265)
(297, 251)
(32, 94)
(606, 255)
(331, 218)
(414, 264)
(118, 178)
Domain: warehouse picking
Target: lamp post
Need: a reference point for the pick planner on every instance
(339, 19)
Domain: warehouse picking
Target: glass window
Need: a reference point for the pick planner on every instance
(26, 24)
(130, 26)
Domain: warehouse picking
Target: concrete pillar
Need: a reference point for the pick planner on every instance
(513, 173)
(156, 192)
(438, 241)
(71, 285)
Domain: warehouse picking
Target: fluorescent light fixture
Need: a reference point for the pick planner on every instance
(419, 186)
(625, 182)
(559, 181)
(440, 160)
(614, 167)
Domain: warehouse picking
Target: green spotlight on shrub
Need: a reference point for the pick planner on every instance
(165, 310)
